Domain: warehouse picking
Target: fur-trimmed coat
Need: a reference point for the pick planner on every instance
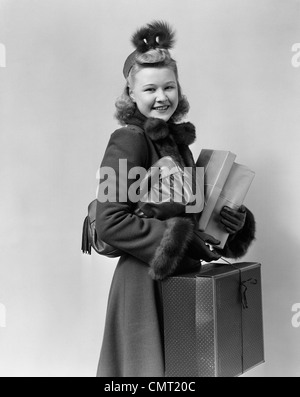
(153, 249)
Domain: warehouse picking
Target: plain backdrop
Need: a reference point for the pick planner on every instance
(63, 72)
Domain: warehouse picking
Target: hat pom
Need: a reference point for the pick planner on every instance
(157, 34)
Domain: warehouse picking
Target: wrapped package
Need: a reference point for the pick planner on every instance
(169, 190)
(217, 165)
(232, 195)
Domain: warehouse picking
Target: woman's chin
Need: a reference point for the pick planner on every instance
(165, 116)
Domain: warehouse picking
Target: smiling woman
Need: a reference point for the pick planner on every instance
(154, 72)
(152, 248)
(155, 92)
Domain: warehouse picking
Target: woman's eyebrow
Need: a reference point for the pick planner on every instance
(153, 84)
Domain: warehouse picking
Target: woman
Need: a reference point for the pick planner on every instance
(150, 109)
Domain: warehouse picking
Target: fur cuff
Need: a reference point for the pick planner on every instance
(237, 245)
(168, 255)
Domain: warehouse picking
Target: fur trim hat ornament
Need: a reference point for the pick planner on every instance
(155, 35)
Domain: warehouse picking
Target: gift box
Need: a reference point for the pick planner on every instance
(217, 165)
(232, 195)
(213, 321)
(167, 190)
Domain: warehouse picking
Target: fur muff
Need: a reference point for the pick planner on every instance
(168, 255)
(238, 244)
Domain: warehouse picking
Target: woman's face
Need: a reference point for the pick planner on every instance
(155, 92)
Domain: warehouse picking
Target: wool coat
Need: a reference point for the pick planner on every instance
(153, 248)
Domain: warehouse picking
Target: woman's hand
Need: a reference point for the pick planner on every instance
(233, 220)
(199, 247)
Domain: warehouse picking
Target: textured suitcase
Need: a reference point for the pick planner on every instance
(213, 321)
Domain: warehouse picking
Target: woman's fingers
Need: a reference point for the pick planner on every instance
(233, 220)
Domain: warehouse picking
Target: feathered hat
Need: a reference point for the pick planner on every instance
(157, 34)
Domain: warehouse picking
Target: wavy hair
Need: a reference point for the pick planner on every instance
(157, 58)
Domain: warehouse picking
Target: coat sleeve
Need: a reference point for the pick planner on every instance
(159, 243)
(237, 245)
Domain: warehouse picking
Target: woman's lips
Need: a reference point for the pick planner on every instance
(161, 108)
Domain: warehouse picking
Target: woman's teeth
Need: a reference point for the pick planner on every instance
(161, 108)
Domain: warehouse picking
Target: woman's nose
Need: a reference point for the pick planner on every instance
(161, 96)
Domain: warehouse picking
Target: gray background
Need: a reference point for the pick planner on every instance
(63, 73)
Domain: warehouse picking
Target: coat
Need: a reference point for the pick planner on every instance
(153, 249)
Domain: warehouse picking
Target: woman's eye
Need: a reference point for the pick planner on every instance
(170, 87)
(149, 90)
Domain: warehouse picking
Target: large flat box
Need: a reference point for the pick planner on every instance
(213, 321)
(232, 195)
(217, 165)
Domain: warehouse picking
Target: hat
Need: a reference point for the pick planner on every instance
(155, 35)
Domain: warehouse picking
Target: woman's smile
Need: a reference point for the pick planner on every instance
(161, 108)
(155, 92)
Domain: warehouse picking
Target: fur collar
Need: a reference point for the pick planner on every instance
(170, 139)
(157, 130)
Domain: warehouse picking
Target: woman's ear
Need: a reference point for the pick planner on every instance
(131, 94)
